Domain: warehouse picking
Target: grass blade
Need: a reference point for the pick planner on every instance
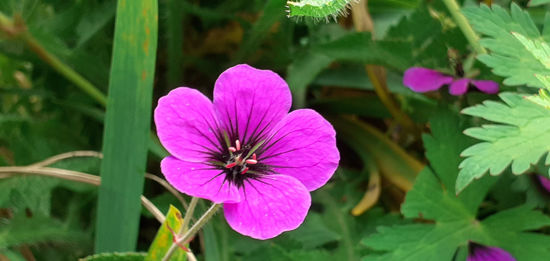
(127, 124)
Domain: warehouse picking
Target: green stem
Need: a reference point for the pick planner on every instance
(17, 29)
(192, 231)
(64, 69)
(188, 215)
(466, 28)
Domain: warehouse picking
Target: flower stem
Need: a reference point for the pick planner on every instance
(463, 24)
(188, 215)
(192, 231)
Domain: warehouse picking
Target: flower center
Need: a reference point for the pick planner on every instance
(238, 161)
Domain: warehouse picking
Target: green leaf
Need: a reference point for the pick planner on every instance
(538, 2)
(164, 238)
(509, 57)
(520, 140)
(127, 124)
(317, 8)
(37, 229)
(116, 257)
(456, 222)
(359, 47)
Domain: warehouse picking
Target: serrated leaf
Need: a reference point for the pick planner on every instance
(521, 140)
(455, 219)
(164, 238)
(317, 8)
(37, 229)
(509, 57)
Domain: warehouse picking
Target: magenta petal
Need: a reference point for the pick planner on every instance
(545, 182)
(199, 180)
(186, 124)
(482, 253)
(249, 101)
(486, 86)
(272, 205)
(425, 80)
(303, 146)
(459, 86)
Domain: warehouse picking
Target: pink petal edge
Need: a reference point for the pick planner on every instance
(186, 124)
(303, 146)
(421, 79)
(199, 180)
(459, 87)
(486, 86)
(250, 101)
(271, 206)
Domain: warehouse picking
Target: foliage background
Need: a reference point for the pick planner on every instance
(43, 114)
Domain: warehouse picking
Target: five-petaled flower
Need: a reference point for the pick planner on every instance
(246, 150)
(485, 253)
(421, 79)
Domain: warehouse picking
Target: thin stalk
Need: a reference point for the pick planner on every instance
(192, 231)
(188, 215)
(6, 172)
(64, 69)
(463, 24)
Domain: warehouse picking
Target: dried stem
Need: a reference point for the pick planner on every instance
(377, 74)
(72, 175)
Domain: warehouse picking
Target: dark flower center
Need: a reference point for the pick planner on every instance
(240, 161)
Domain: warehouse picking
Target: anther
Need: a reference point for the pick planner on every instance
(238, 144)
(254, 156)
(244, 170)
(251, 161)
(231, 165)
(232, 149)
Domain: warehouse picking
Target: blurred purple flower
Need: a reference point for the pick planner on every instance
(421, 79)
(246, 150)
(545, 182)
(484, 253)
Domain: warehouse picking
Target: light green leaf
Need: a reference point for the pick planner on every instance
(455, 219)
(164, 238)
(538, 2)
(521, 139)
(317, 8)
(509, 57)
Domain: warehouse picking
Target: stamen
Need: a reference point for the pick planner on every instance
(244, 170)
(251, 161)
(238, 144)
(231, 165)
(232, 149)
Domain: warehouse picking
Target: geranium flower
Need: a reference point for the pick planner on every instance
(545, 182)
(246, 150)
(421, 79)
(484, 253)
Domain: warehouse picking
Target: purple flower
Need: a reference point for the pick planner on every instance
(246, 150)
(484, 253)
(424, 80)
(545, 182)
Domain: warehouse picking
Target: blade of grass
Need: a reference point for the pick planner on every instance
(173, 26)
(127, 124)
